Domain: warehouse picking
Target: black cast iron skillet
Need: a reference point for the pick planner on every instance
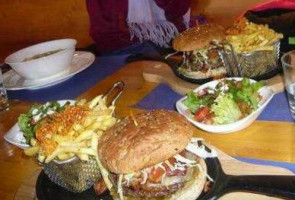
(278, 186)
(175, 64)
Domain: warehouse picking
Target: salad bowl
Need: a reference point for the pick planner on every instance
(266, 95)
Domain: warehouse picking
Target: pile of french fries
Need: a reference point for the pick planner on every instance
(247, 37)
(81, 141)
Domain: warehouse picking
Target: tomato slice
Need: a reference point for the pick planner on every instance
(202, 113)
(176, 172)
(100, 187)
(156, 174)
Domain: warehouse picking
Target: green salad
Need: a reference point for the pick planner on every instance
(29, 121)
(228, 102)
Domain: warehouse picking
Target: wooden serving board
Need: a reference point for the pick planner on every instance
(159, 72)
(230, 166)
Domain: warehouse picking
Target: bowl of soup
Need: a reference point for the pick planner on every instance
(44, 59)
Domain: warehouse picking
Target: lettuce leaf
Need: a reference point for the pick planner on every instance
(225, 109)
(248, 92)
(193, 102)
(26, 127)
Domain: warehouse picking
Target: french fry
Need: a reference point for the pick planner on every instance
(246, 37)
(94, 141)
(88, 121)
(65, 156)
(81, 102)
(61, 150)
(59, 138)
(83, 157)
(33, 142)
(73, 144)
(81, 139)
(99, 133)
(84, 135)
(95, 101)
(31, 151)
(41, 158)
(78, 127)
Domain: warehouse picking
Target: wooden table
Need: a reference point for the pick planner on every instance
(262, 140)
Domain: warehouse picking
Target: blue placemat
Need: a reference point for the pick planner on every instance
(289, 166)
(164, 97)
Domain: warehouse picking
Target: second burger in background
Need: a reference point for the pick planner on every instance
(200, 57)
(152, 155)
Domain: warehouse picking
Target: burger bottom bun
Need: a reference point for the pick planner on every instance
(201, 75)
(190, 191)
(194, 187)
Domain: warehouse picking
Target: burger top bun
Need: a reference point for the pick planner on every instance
(144, 140)
(198, 37)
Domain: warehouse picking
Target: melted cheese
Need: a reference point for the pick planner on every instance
(161, 166)
(184, 160)
(145, 176)
(171, 54)
(128, 178)
(207, 175)
(133, 118)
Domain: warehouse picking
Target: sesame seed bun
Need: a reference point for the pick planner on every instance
(143, 141)
(198, 37)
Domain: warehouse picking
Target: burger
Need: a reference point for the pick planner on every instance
(152, 155)
(200, 46)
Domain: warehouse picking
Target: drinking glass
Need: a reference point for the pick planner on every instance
(288, 63)
(3, 95)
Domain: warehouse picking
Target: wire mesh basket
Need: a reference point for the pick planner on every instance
(251, 65)
(75, 175)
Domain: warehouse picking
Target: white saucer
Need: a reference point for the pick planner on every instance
(81, 61)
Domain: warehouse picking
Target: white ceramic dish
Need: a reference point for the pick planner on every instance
(265, 92)
(15, 136)
(81, 61)
(43, 66)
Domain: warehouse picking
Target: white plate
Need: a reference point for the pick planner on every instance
(16, 137)
(81, 61)
(265, 92)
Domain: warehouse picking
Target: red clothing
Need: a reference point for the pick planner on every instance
(272, 4)
(108, 27)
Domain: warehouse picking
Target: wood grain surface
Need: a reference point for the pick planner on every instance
(28, 22)
(159, 72)
(262, 140)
